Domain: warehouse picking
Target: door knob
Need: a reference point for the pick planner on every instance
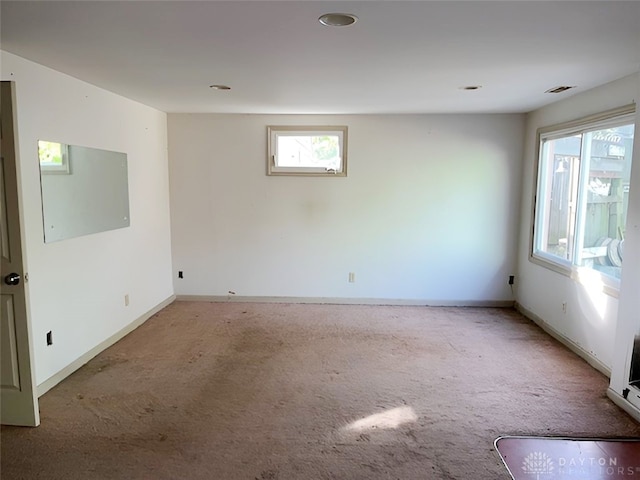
(12, 279)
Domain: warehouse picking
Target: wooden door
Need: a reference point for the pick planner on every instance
(18, 398)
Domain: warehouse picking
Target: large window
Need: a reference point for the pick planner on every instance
(305, 150)
(583, 186)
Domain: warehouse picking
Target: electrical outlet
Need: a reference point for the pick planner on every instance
(180, 274)
(352, 277)
(512, 279)
(126, 300)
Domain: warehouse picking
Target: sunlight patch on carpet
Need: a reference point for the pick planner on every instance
(385, 420)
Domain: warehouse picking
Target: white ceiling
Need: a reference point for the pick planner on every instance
(400, 57)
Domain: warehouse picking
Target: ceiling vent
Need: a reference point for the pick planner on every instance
(560, 89)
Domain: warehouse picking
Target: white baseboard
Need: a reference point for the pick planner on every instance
(619, 400)
(52, 381)
(566, 341)
(347, 301)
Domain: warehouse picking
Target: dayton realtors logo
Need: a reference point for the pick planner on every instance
(603, 467)
(540, 466)
(537, 463)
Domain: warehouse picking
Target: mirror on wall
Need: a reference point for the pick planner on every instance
(84, 190)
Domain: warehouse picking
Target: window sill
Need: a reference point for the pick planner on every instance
(585, 276)
(309, 172)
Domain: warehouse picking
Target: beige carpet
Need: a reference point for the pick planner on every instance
(279, 391)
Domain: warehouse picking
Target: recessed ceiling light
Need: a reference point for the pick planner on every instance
(220, 87)
(560, 89)
(471, 87)
(338, 19)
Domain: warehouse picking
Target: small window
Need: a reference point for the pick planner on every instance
(305, 150)
(54, 157)
(583, 184)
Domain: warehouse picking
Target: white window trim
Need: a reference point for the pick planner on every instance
(582, 275)
(273, 131)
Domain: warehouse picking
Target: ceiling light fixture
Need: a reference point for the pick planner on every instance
(560, 89)
(338, 19)
(220, 87)
(471, 87)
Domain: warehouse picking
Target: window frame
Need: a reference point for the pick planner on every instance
(614, 117)
(274, 131)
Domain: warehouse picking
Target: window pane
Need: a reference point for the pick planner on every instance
(604, 198)
(309, 151)
(50, 153)
(560, 159)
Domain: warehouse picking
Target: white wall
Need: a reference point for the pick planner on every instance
(629, 308)
(428, 212)
(591, 317)
(76, 287)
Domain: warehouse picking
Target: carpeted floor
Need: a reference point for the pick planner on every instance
(279, 391)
